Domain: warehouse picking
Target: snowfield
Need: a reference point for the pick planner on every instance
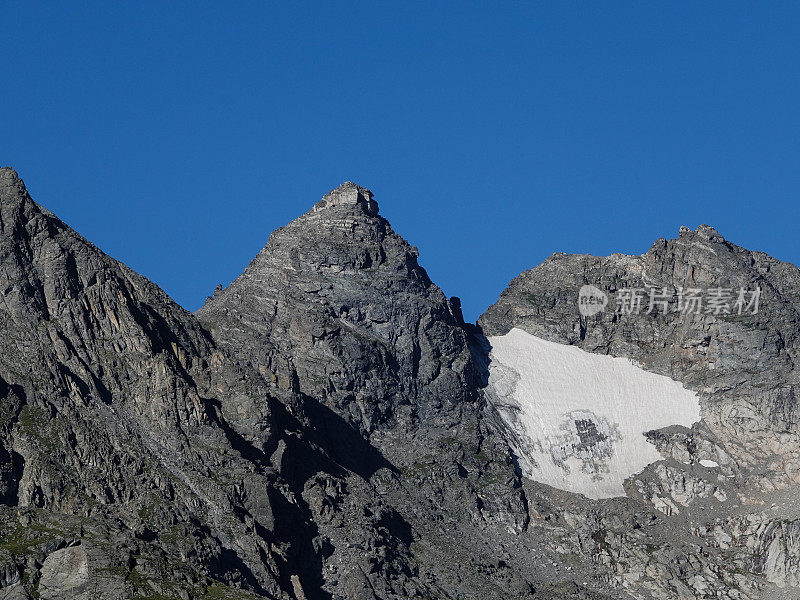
(578, 418)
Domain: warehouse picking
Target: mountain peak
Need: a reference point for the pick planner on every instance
(349, 194)
(8, 173)
(10, 179)
(706, 232)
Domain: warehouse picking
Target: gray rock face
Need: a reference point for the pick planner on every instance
(321, 428)
(741, 361)
(337, 308)
(65, 574)
(188, 465)
(374, 362)
(120, 414)
(743, 366)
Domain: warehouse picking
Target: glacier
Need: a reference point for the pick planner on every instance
(578, 419)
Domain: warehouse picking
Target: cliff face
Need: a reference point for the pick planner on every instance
(724, 322)
(740, 357)
(121, 418)
(327, 427)
(373, 362)
(336, 307)
(144, 456)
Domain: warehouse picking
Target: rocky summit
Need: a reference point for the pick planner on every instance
(327, 427)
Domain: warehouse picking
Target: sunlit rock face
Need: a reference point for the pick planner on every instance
(579, 419)
(328, 427)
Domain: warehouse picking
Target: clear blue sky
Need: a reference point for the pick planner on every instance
(177, 136)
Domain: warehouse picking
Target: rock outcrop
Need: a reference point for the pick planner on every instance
(121, 415)
(373, 361)
(325, 428)
(725, 322)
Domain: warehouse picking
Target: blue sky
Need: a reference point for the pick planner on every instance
(177, 136)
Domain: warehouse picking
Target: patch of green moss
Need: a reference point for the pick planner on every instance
(37, 426)
(24, 540)
(535, 300)
(143, 590)
(217, 591)
(415, 470)
(652, 548)
(487, 479)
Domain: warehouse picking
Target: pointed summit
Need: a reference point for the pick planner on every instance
(336, 302)
(11, 186)
(8, 173)
(18, 211)
(349, 194)
(706, 232)
(106, 385)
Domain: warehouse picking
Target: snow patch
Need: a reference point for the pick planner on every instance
(709, 464)
(578, 419)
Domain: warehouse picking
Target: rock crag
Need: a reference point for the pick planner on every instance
(327, 427)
